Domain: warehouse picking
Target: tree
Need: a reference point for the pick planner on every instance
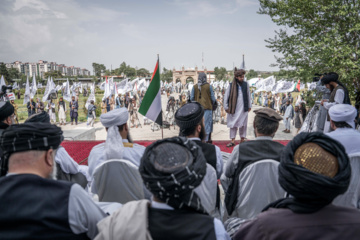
(319, 36)
(4, 72)
(220, 73)
(166, 75)
(252, 74)
(53, 74)
(14, 73)
(142, 72)
(98, 68)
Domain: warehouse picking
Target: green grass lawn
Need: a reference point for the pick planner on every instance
(23, 114)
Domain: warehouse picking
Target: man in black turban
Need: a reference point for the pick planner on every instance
(32, 204)
(171, 169)
(313, 170)
(67, 168)
(7, 114)
(339, 95)
(190, 119)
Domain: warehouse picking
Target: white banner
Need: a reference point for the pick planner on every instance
(67, 94)
(27, 92)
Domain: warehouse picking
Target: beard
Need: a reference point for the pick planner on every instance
(53, 174)
(202, 133)
(129, 138)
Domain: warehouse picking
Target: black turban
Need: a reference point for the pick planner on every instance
(6, 110)
(42, 117)
(334, 77)
(189, 116)
(311, 191)
(330, 77)
(27, 137)
(171, 169)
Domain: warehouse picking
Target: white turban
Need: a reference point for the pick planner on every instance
(343, 113)
(114, 146)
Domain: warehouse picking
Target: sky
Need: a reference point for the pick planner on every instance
(80, 32)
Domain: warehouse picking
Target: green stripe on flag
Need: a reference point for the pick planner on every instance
(151, 92)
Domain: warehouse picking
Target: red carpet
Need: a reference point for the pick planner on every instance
(80, 150)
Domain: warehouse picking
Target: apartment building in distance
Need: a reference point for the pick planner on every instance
(41, 67)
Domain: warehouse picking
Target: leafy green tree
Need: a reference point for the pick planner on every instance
(251, 74)
(4, 72)
(316, 36)
(142, 72)
(220, 73)
(166, 75)
(14, 73)
(130, 71)
(53, 74)
(98, 68)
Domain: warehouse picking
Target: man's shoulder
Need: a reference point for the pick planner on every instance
(98, 147)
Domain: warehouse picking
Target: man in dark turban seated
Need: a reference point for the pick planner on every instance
(171, 169)
(314, 169)
(32, 204)
(67, 168)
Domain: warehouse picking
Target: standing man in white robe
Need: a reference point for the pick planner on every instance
(339, 94)
(289, 114)
(237, 103)
(118, 144)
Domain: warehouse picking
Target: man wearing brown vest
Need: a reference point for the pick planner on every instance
(203, 93)
(339, 94)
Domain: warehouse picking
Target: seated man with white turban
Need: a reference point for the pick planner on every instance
(171, 169)
(118, 144)
(342, 120)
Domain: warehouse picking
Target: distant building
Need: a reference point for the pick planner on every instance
(191, 75)
(41, 67)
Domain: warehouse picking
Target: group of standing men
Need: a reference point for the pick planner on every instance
(38, 107)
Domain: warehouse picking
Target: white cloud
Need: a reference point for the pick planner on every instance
(202, 8)
(59, 29)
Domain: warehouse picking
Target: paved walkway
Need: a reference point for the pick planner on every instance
(221, 132)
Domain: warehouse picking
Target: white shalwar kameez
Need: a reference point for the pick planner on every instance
(68, 164)
(288, 116)
(338, 99)
(52, 115)
(62, 115)
(239, 119)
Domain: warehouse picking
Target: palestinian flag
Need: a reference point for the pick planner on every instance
(151, 103)
(298, 86)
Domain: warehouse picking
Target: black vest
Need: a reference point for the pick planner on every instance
(209, 152)
(32, 207)
(180, 224)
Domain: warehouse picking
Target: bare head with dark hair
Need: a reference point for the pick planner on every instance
(334, 125)
(265, 127)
